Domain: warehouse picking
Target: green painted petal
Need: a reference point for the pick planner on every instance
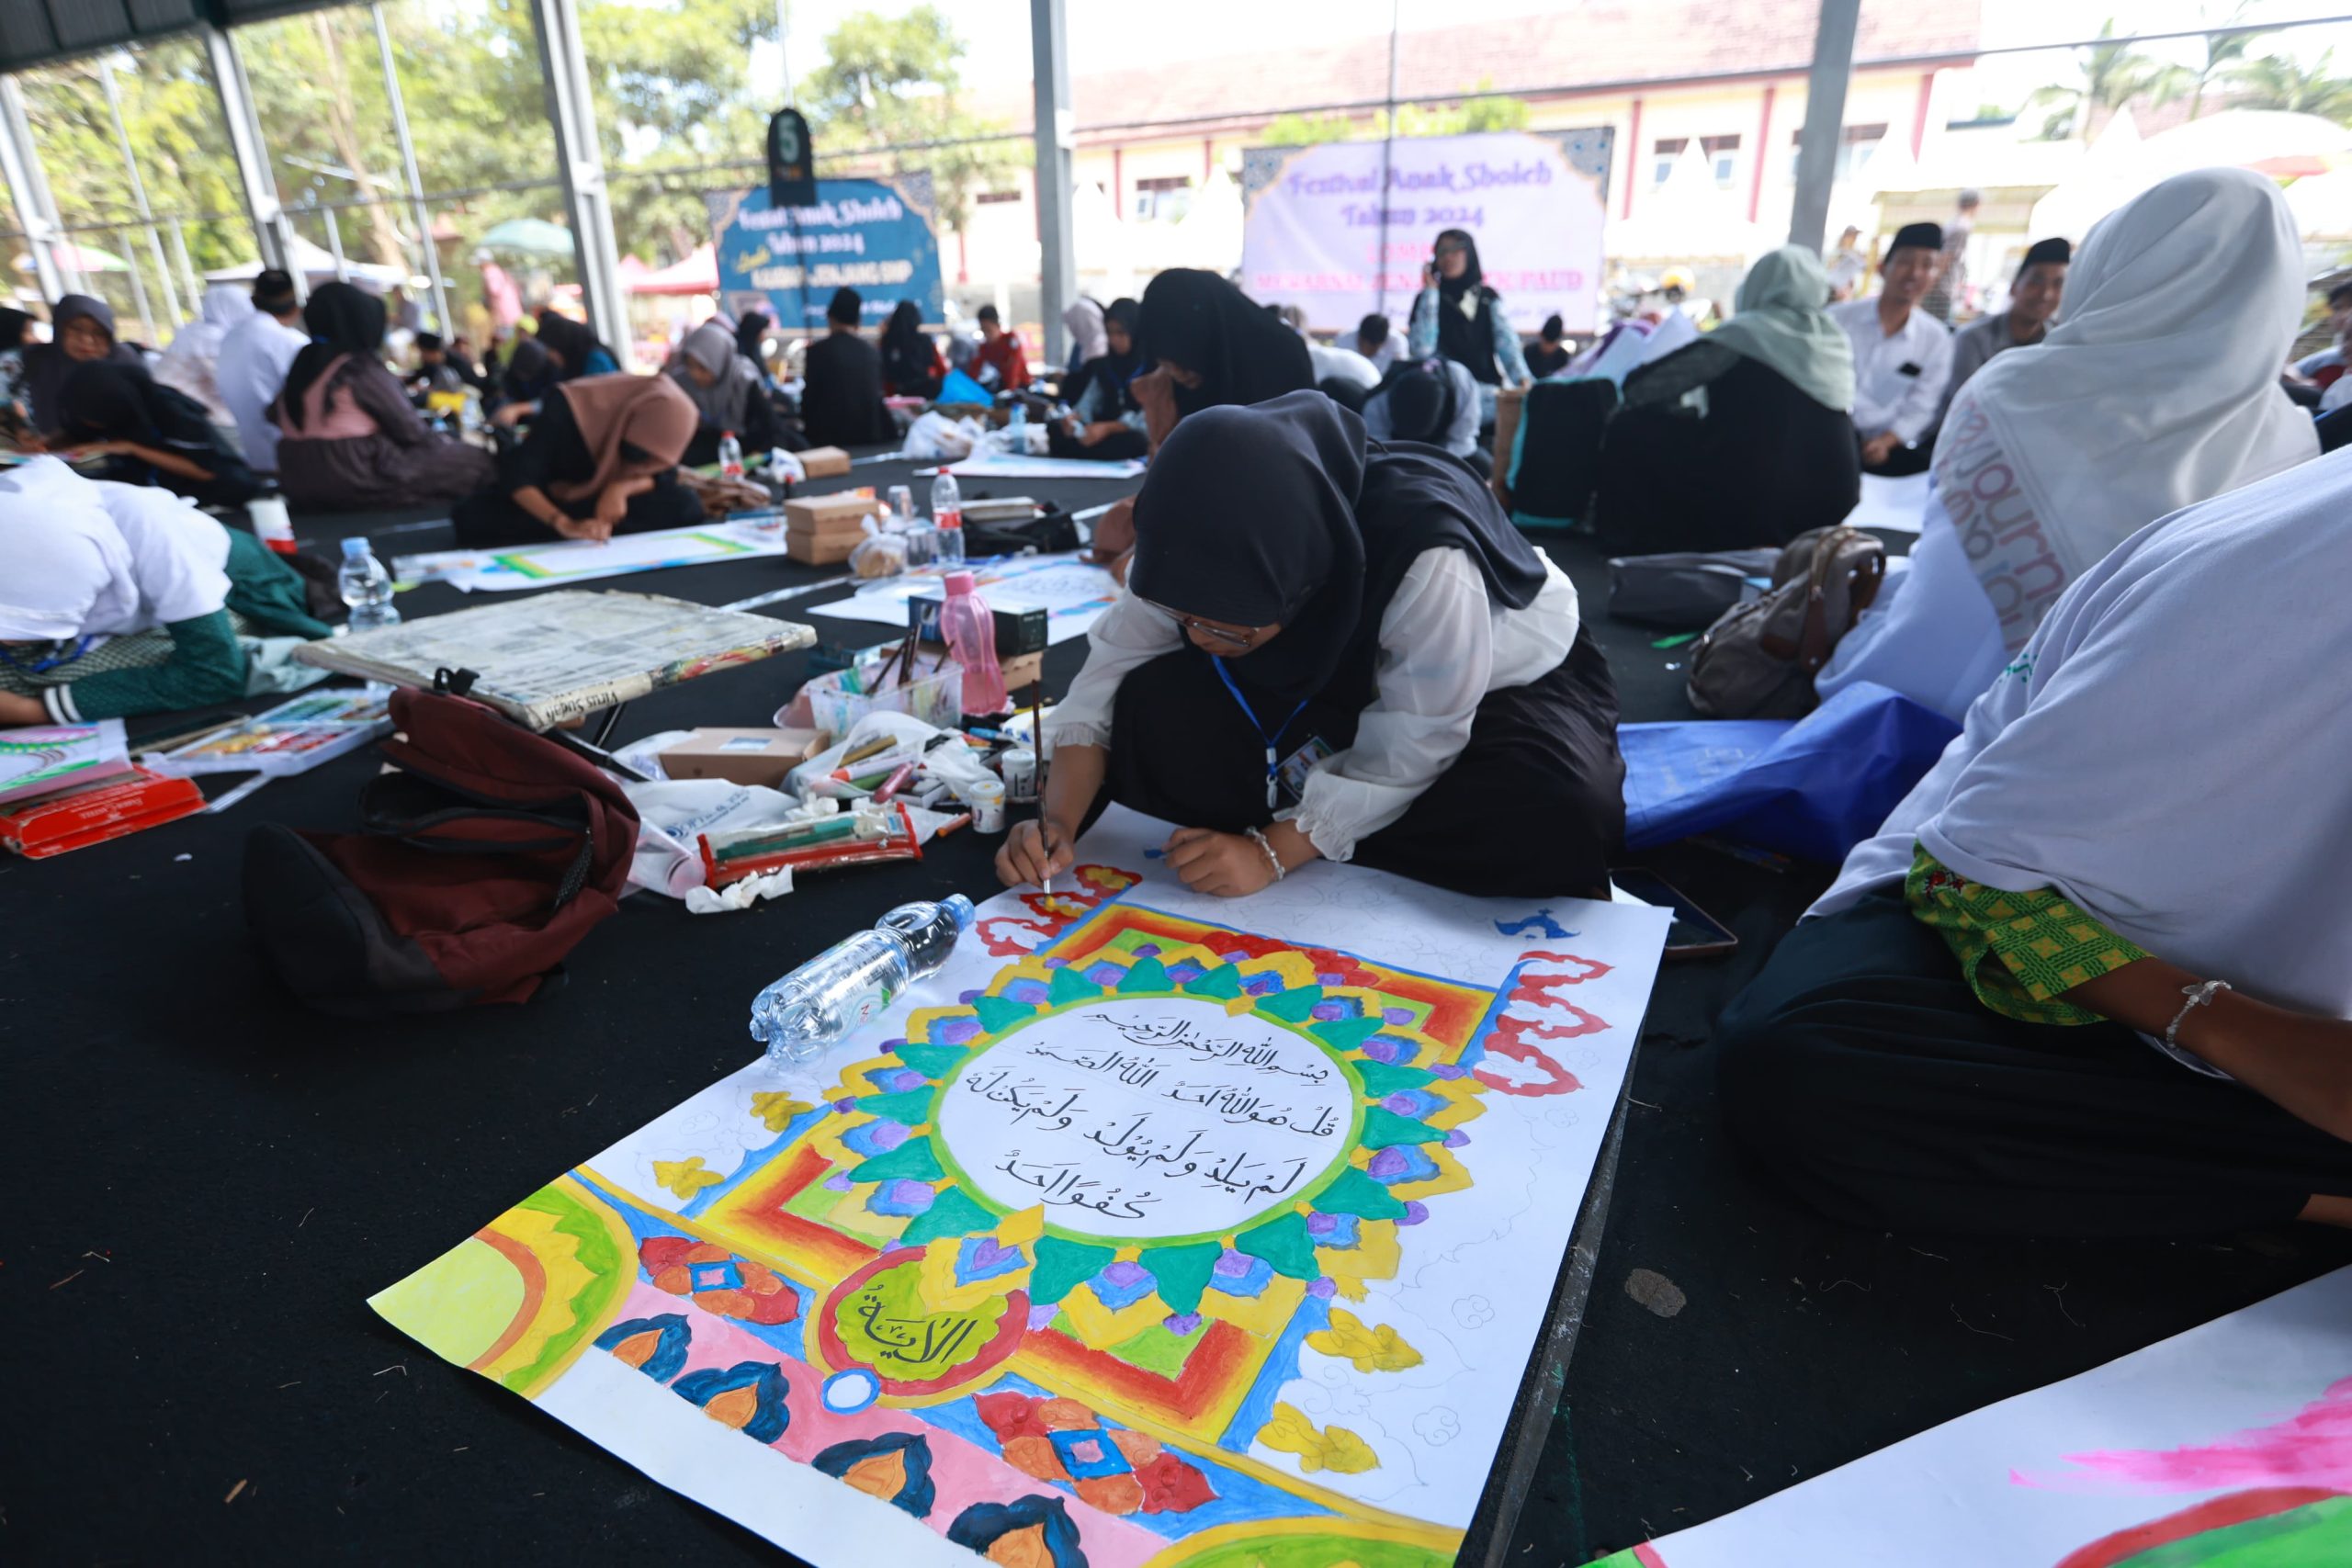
(1381, 1080)
(952, 1213)
(911, 1107)
(1062, 1265)
(1144, 974)
(1221, 981)
(1183, 1272)
(1292, 1006)
(933, 1062)
(1282, 1241)
(1069, 986)
(998, 1014)
(1345, 1034)
(911, 1161)
(1353, 1193)
(1383, 1129)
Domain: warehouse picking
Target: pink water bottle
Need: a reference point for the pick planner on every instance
(968, 628)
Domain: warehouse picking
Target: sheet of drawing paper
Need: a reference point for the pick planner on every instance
(2230, 1444)
(1893, 504)
(581, 561)
(1072, 591)
(1156, 1229)
(1006, 466)
(36, 759)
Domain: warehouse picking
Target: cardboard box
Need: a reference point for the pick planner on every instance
(820, 549)
(844, 514)
(823, 462)
(1017, 631)
(741, 756)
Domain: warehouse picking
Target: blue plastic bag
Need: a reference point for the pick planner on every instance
(1815, 786)
(958, 388)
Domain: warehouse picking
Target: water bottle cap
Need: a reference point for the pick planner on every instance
(962, 583)
(355, 547)
(961, 908)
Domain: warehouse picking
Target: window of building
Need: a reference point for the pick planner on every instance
(1665, 155)
(1855, 145)
(1722, 153)
(991, 198)
(1166, 195)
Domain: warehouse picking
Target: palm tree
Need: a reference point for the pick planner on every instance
(2224, 56)
(2113, 75)
(2280, 82)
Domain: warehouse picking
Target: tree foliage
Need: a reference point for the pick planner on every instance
(2280, 82)
(2110, 74)
(893, 81)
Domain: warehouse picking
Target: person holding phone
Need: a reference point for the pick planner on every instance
(1457, 315)
(1334, 649)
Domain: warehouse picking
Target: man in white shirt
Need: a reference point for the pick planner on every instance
(252, 367)
(1902, 354)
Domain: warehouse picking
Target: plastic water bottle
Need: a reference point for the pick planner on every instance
(847, 985)
(968, 628)
(730, 456)
(367, 587)
(1019, 420)
(947, 517)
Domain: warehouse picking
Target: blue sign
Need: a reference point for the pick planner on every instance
(871, 235)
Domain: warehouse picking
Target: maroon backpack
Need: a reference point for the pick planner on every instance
(482, 860)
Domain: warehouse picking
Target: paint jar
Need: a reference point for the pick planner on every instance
(271, 526)
(1019, 767)
(985, 797)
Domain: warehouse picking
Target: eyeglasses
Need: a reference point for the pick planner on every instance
(1220, 634)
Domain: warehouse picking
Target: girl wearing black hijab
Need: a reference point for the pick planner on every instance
(1340, 650)
(573, 350)
(148, 434)
(1458, 316)
(911, 366)
(1213, 344)
(1106, 423)
(81, 332)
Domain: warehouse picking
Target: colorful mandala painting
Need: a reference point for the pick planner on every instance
(1137, 1240)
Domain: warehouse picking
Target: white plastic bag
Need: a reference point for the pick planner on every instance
(935, 436)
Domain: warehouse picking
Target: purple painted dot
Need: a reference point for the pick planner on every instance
(1031, 992)
(1043, 1314)
(1148, 950)
(1232, 1266)
(839, 1183)
(1057, 962)
(1184, 971)
(1263, 984)
(1388, 1163)
(1321, 1224)
(1327, 1011)
(956, 1030)
(968, 997)
(1415, 1213)
(1404, 1103)
(1234, 957)
(1334, 978)
(1449, 1070)
(1380, 1050)
(1395, 1015)
(1458, 1139)
(887, 1136)
(1323, 1289)
(846, 1103)
(892, 1044)
(1125, 1276)
(1184, 1325)
(1105, 974)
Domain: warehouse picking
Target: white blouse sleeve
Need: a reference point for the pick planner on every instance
(1437, 655)
(1127, 633)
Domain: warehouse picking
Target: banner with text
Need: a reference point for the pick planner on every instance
(1344, 229)
(871, 235)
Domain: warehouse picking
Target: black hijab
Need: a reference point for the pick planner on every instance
(906, 348)
(575, 341)
(13, 326)
(47, 365)
(105, 401)
(342, 318)
(1113, 369)
(1465, 330)
(1283, 512)
(751, 335)
(528, 372)
(1199, 320)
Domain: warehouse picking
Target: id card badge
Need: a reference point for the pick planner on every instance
(1299, 764)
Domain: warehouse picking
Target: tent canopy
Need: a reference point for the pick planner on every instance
(698, 274)
(317, 266)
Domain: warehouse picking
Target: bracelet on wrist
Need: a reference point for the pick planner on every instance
(1272, 859)
(2198, 996)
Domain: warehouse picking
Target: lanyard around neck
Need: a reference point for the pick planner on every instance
(1273, 763)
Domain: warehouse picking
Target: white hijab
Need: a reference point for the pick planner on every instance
(2169, 752)
(65, 569)
(1084, 319)
(2157, 389)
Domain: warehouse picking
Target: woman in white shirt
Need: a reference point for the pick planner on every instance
(1335, 649)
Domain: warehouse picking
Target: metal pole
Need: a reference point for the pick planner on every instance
(138, 291)
(782, 55)
(1825, 116)
(36, 207)
(334, 248)
(273, 231)
(415, 185)
(179, 255)
(563, 62)
(1388, 146)
(139, 197)
(1056, 236)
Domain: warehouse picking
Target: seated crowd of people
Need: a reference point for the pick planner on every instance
(2080, 982)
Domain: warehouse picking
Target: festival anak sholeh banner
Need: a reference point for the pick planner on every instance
(874, 236)
(1314, 233)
